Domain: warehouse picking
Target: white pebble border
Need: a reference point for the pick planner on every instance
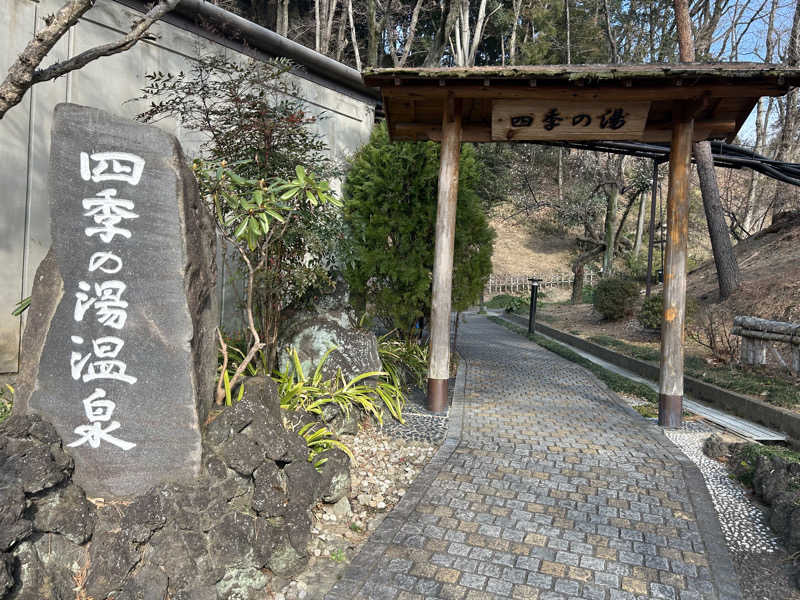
(744, 525)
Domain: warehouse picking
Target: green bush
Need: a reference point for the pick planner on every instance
(6, 402)
(516, 305)
(390, 214)
(615, 298)
(652, 312)
(499, 301)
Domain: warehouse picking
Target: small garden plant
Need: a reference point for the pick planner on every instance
(405, 361)
(299, 392)
(616, 298)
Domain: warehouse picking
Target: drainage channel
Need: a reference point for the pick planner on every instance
(722, 419)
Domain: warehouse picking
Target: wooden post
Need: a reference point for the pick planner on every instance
(651, 231)
(670, 397)
(439, 367)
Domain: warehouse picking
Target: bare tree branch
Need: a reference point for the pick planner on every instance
(25, 71)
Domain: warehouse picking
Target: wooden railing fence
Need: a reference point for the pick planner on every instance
(759, 335)
(513, 283)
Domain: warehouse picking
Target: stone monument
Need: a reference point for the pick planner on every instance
(119, 351)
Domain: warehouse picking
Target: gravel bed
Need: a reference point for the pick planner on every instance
(764, 567)
(743, 523)
(384, 468)
(420, 425)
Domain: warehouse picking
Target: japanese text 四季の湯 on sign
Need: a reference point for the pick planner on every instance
(554, 120)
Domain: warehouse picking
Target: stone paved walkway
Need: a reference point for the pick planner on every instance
(547, 487)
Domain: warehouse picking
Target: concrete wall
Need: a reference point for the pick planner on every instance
(110, 84)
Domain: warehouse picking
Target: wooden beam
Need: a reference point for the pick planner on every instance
(670, 397)
(439, 367)
(482, 133)
(636, 94)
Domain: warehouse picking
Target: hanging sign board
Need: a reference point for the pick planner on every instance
(568, 120)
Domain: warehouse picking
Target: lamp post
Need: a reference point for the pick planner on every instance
(534, 296)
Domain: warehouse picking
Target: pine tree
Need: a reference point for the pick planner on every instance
(390, 210)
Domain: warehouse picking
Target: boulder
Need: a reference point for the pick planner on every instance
(66, 511)
(31, 454)
(123, 307)
(722, 445)
(335, 475)
(211, 538)
(330, 323)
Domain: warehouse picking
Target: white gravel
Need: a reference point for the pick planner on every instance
(743, 523)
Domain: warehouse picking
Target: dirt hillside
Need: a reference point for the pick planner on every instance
(521, 248)
(770, 267)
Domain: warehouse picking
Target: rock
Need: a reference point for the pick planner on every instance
(335, 473)
(209, 538)
(59, 555)
(13, 528)
(270, 494)
(285, 559)
(113, 554)
(770, 479)
(66, 512)
(342, 509)
(247, 434)
(35, 581)
(242, 584)
(264, 391)
(340, 422)
(144, 584)
(6, 578)
(303, 483)
(240, 540)
(792, 536)
(329, 323)
(123, 303)
(722, 445)
(28, 457)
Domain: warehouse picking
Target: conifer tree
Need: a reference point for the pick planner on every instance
(390, 210)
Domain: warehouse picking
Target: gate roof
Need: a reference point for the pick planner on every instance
(719, 96)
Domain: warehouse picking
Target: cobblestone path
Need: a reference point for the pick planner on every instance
(547, 487)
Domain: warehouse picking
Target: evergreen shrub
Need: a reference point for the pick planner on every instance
(615, 298)
(652, 312)
(390, 213)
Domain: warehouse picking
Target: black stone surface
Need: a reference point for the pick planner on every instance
(164, 243)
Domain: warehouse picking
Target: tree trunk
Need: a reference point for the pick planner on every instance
(372, 40)
(637, 242)
(724, 257)
(283, 18)
(25, 71)
(412, 30)
(512, 44)
(577, 283)
(448, 19)
(611, 213)
(566, 24)
(353, 37)
(791, 118)
(612, 44)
